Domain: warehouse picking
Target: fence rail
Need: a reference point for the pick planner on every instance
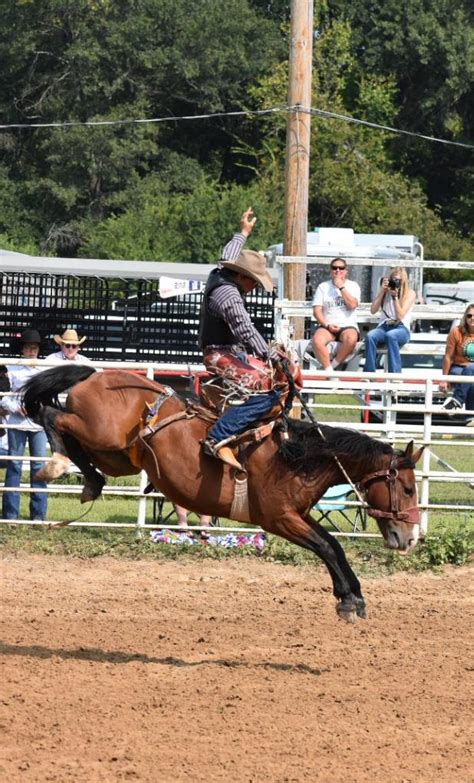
(317, 386)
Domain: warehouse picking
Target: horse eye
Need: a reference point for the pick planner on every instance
(408, 491)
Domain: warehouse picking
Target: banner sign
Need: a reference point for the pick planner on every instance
(172, 286)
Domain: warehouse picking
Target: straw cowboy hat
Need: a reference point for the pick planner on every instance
(70, 337)
(252, 264)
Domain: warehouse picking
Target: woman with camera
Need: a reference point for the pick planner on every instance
(394, 301)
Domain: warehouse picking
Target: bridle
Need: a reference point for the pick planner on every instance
(411, 515)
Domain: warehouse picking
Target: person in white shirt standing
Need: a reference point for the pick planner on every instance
(27, 432)
(70, 345)
(334, 308)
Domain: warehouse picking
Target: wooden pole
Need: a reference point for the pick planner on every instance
(297, 152)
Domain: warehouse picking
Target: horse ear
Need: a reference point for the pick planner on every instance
(409, 449)
(414, 457)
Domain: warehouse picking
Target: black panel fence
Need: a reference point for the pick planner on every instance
(123, 320)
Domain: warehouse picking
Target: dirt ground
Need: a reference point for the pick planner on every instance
(230, 671)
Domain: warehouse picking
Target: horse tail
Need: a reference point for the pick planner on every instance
(44, 387)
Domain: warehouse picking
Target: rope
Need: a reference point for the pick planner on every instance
(76, 519)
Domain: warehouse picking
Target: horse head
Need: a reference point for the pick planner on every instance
(392, 497)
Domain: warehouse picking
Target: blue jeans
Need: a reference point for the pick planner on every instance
(17, 440)
(464, 392)
(239, 418)
(391, 336)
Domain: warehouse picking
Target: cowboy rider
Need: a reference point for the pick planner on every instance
(230, 342)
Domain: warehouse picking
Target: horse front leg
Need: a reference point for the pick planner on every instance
(298, 530)
(344, 566)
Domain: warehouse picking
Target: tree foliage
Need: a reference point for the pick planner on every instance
(173, 191)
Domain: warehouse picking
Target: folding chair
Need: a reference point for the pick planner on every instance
(338, 497)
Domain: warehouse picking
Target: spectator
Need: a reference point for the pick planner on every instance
(70, 345)
(182, 515)
(30, 433)
(459, 360)
(4, 387)
(394, 300)
(334, 307)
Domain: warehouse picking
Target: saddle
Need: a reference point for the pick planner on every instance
(154, 424)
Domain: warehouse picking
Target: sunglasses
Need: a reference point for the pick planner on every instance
(338, 269)
(471, 315)
(70, 345)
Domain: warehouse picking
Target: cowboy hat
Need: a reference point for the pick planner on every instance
(30, 336)
(70, 336)
(252, 264)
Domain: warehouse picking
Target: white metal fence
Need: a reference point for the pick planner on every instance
(316, 389)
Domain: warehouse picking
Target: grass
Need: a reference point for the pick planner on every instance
(450, 539)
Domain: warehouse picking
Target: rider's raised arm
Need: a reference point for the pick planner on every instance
(234, 247)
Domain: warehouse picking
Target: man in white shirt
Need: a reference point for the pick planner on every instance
(334, 308)
(70, 345)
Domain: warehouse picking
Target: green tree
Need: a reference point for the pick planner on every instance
(428, 49)
(190, 226)
(354, 177)
(82, 60)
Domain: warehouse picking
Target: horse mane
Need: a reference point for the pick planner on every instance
(306, 451)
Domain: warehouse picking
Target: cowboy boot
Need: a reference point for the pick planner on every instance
(221, 451)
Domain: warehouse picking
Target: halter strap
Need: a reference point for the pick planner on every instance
(390, 475)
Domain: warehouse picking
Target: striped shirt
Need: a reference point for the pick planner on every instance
(225, 302)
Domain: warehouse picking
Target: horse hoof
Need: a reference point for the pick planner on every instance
(347, 611)
(55, 468)
(361, 608)
(91, 491)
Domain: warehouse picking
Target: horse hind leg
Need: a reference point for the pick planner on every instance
(59, 463)
(93, 480)
(65, 449)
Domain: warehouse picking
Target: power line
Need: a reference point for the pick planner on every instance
(171, 118)
(355, 121)
(248, 113)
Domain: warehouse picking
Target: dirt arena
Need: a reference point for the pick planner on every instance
(231, 671)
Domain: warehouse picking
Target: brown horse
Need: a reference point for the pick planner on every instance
(100, 426)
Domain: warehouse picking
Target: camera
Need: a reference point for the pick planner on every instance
(394, 284)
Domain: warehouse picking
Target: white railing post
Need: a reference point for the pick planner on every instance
(141, 513)
(425, 479)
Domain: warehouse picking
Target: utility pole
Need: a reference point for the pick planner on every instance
(297, 152)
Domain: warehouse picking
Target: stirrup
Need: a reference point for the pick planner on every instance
(221, 451)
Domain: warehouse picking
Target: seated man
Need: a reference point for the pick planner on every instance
(334, 307)
(230, 341)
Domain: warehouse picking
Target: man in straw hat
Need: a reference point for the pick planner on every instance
(231, 344)
(70, 344)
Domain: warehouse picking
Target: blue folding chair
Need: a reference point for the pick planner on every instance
(338, 497)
